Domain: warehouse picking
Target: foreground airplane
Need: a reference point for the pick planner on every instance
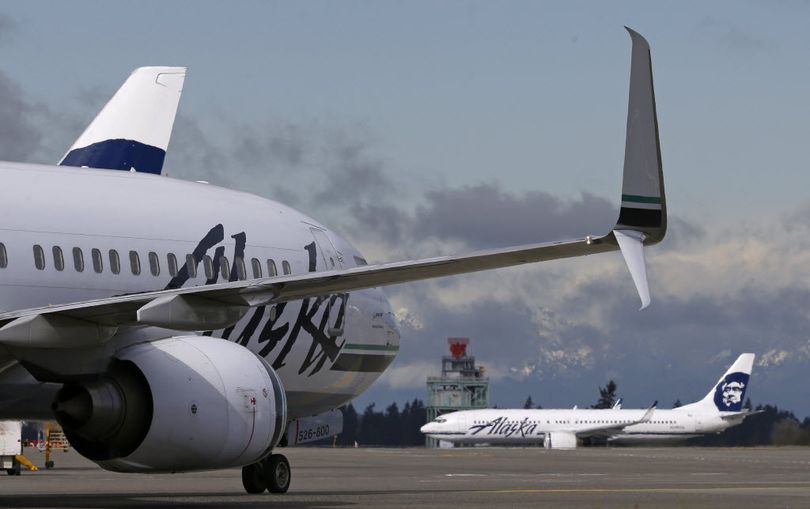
(720, 409)
(119, 286)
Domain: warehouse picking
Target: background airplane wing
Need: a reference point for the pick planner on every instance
(609, 429)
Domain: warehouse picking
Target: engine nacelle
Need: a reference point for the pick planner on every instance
(560, 440)
(178, 404)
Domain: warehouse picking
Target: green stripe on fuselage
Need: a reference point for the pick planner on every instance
(641, 199)
(359, 346)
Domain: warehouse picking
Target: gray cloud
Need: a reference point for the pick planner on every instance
(20, 137)
(484, 215)
(276, 147)
(354, 176)
(8, 27)
(732, 39)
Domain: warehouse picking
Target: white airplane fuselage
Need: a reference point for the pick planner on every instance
(493, 426)
(326, 350)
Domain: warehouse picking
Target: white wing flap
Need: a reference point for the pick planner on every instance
(606, 430)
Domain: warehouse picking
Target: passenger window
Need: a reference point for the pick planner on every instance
(271, 268)
(208, 265)
(240, 269)
(39, 257)
(3, 256)
(224, 268)
(257, 268)
(191, 265)
(154, 263)
(135, 263)
(78, 259)
(115, 262)
(171, 261)
(98, 262)
(285, 266)
(58, 258)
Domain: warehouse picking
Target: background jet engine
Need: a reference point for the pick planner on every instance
(178, 404)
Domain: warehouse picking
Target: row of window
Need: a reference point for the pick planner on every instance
(575, 422)
(97, 261)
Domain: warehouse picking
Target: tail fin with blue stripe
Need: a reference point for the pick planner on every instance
(132, 131)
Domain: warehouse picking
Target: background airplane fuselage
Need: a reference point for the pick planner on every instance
(326, 350)
(495, 426)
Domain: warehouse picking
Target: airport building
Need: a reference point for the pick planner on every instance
(461, 386)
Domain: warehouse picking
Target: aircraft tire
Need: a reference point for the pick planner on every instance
(277, 473)
(253, 478)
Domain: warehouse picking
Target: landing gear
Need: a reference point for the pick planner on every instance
(253, 478)
(277, 473)
(272, 473)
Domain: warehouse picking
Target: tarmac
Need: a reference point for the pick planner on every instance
(447, 478)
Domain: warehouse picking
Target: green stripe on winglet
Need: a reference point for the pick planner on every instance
(641, 199)
(358, 346)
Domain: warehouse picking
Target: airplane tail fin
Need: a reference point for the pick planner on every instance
(728, 394)
(133, 129)
(643, 215)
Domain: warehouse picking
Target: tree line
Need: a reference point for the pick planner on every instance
(389, 428)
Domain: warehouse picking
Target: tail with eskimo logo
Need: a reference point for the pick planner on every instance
(133, 129)
(728, 394)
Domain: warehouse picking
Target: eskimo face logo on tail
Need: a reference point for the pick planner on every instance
(729, 393)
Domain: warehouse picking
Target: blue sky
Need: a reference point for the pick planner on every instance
(430, 104)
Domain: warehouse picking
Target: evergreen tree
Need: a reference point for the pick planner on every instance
(529, 403)
(371, 429)
(350, 423)
(677, 403)
(607, 396)
(393, 428)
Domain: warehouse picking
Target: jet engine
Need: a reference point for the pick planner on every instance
(178, 404)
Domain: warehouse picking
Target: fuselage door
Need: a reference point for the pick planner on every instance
(329, 258)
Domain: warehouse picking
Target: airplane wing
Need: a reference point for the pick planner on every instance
(610, 429)
(642, 222)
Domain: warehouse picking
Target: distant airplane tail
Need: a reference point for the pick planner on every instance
(728, 395)
(643, 215)
(132, 131)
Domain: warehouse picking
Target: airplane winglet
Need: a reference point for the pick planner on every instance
(648, 414)
(631, 244)
(643, 215)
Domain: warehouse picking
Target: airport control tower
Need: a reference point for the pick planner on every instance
(462, 386)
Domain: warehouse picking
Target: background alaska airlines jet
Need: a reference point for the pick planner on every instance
(720, 409)
(119, 286)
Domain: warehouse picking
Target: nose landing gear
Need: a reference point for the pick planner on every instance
(272, 474)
